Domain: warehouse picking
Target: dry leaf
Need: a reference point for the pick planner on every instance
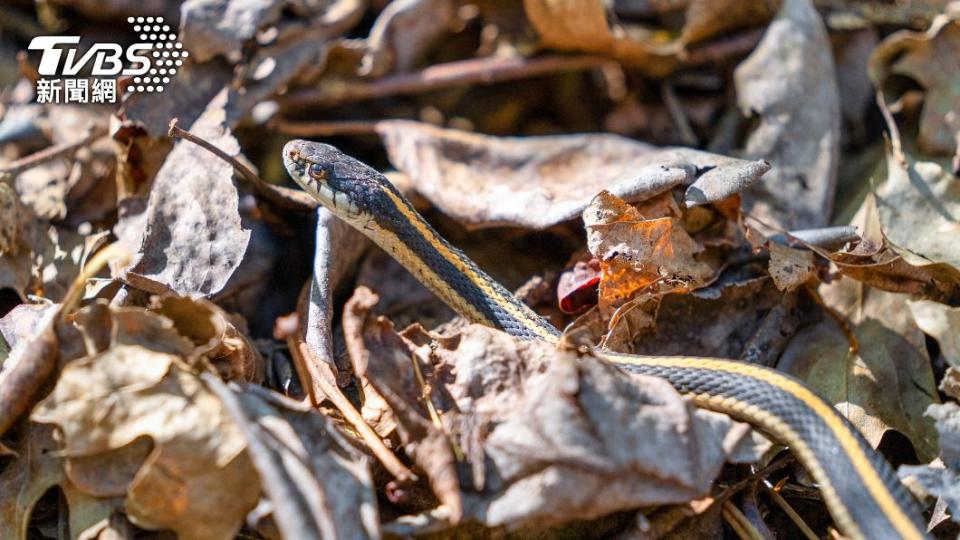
(583, 25)
(571, 438)
(638, 250)
(942, 322)
(392, 377)
(931, 58)
(215, 336)
(919, 209)
(886, 384)
(942, 478)
(319, 484)
(36, 468)
(789, 82)
(197, 480)
(192, 239)
(404, 31)
(537, 182)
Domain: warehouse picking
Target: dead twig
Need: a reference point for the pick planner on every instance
(323, 129)
(460, 73)
(51, 153)
(895, 144)
(677, 115)
(739, 522)
(287, 199)
(319, 384)
(791, 513)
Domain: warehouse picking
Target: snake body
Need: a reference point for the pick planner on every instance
(861, 490)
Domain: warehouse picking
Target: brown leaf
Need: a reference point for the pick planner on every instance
(197, 480)
(35, 469)
(537, 182)
(393, 378)
(215, 336)
(192, 239)
(885, 384)
(919, 211)
(942, 478)
(931, 58)
(789, 82)
(791, 268)
(638, 249)
(942, 322)
(583, 25)
(709, 18)
(319, 485)
(403, 32)
(566, 438)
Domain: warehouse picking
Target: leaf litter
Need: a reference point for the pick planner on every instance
(190, 349)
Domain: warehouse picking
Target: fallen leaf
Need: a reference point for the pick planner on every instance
(789, 82)
(392, 377)
(215, 336)
(705, 19)
(197, 480)
(540, 181)
(942, 478)
(932, 59)
(577, 288)
(565, 437)
(404, 32)
(887, 383)
(319, 485)
(584, 25)
(919, 211)
(35, 469)
(192, 239)
(641, 251)
(546, 437)
(941, 322)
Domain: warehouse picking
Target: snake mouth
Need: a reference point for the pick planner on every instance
(314, 179)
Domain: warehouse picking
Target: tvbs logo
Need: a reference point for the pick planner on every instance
(152, 62)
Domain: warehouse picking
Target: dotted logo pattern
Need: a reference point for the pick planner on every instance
(167, 55)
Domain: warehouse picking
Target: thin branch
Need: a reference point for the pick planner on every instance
(791, 513)
(895, 144)
(288, 199)
(323, 129)
(677, 115)
(460, 73)
(51, 153)
(304, 356)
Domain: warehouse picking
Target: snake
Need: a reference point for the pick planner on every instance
(862, 492)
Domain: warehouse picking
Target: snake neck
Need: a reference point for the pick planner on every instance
(404, 234)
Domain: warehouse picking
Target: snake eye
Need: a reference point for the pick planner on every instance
(316, 172)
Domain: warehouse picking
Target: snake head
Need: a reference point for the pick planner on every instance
(348, 187)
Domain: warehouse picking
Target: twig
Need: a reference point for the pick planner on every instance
(323, 129)
(739, 522)
(721, 49)
(288, 199)
(896, 147)
(791, 513)
(459, 73)
(50, 153)
(332, 392)
(677, 115)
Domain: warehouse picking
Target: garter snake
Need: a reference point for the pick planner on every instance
(861, 490)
